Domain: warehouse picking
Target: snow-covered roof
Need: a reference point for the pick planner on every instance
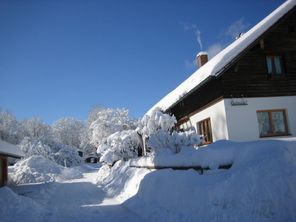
(215, 66)
(9, 149)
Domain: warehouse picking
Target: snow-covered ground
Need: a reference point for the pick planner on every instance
(67, 200)
(260, 186)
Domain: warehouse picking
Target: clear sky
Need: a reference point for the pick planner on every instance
(59, 58)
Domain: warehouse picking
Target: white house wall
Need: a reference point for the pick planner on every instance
(242, 124)
(218, 120)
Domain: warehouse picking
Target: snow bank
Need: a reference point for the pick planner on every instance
(211, 157)
(19, 208)
(38, 169)
(34, 169)
(121, 180)
(260, 185)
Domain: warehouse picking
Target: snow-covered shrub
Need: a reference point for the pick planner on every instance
(32, 147)
(62, 154)
(67, 156)
(174, 141)
(157, 129)
(109, 121)
(120, 146)
(34, 169)
(157, 120)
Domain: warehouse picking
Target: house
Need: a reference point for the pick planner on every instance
(248, 90)
(7, 150)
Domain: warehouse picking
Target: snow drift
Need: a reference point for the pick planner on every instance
(260, 185)
(38, 169)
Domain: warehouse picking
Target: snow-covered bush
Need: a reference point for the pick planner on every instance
(157, 120)
(61, 154)
(157, 129)
(67, 156)
(174, 141)
(109, 121)
(34, 169)
(32, 147)
(122, 145)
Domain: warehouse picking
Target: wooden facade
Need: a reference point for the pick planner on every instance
(247, 75)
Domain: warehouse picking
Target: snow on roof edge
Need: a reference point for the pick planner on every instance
(9, 149)
(218, 62)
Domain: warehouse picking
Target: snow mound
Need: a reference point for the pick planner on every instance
(121, 181)
(34, 169)
(19, 208)
(260, 185)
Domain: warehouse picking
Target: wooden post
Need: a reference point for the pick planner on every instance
(3, 170)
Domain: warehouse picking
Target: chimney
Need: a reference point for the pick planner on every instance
(201, 59)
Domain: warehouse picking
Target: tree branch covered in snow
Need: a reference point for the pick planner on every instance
(108, 121)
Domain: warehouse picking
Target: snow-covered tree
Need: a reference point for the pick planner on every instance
(121, 145)
(69, 131)
(107, 122)
(31, 147)
(10, 129)
(36, 129)
(67, 156)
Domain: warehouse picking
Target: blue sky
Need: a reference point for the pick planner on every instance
(59, 58)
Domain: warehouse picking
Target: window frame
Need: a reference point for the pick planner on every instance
(273, 72)
(271, 123)
(208, 137)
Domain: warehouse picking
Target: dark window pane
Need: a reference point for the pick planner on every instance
(278, 65)
(269, 64)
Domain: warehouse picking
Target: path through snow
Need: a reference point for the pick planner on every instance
(76, 200)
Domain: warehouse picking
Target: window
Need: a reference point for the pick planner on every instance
(204, 129)
(272, 123)
(274, 65)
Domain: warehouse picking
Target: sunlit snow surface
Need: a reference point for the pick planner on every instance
(260, 186)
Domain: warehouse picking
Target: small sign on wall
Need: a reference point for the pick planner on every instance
(239, 102)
